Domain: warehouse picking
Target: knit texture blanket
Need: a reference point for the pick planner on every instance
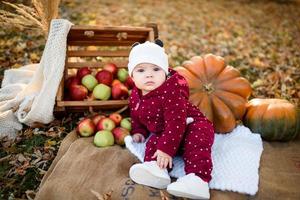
(27, 94)
(235, 157)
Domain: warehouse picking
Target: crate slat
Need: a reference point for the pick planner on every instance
(107, 37)
(85, 53)
(110, 28)
(91, 103)
(77, 65)
(103, 43)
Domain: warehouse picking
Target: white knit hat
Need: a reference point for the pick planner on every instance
(148, 52)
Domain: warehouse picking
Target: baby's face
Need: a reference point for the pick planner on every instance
(148, 77)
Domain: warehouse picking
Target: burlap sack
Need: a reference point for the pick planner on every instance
(83, 171)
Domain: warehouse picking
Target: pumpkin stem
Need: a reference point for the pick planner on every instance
(208, 87)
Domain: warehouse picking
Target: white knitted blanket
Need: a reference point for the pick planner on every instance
(235, 157)
(27, 94)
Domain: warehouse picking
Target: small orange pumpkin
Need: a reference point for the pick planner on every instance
(217, 89)
(274, 119)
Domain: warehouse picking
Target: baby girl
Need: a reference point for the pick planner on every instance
(159, 105)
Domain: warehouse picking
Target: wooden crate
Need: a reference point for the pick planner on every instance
(95, 46)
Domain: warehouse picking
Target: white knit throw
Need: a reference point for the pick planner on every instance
(235, 157)
(27, 94)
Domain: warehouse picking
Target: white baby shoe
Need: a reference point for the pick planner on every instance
(149, 173)
(189, 186)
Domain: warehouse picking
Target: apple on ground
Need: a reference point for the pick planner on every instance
(83, 71)
(104, 77)
(102, 92)
(78, 92)
(119, 134)
(129, 83)
(119, 91)
(122, 74)
(72, 80)
(104, 138)
(116, 117)
(86, 127)
(111, 67)
(106, 124)
(96, 118)
(126, 123)
(89, 81)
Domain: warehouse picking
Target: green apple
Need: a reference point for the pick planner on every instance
(104, 138)
(122, 74)
(102, 92)
(126, 123)
(89, 81)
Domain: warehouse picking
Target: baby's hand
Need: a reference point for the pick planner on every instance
(138, 138)
(163, 159)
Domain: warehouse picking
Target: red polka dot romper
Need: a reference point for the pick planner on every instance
(163, 111)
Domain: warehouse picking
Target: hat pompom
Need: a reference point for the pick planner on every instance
(135, 44)
(159, 42)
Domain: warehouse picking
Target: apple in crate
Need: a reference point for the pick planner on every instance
(116, 117)
(119, 91)
(78, 92)
(129, 83)
(72, 80)
(86, 128)
(104, 77)
(126, 123)
(102, 92)
(119, 135)
(89, 81)
(122, 74)
(83, 71)
(104, 138)
(115, 82)
(112, 68)
(106, 124)
(96, 118)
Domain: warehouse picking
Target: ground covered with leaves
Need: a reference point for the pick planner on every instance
(260, 38)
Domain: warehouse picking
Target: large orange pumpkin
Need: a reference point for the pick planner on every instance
(217, 89)
(274, 119)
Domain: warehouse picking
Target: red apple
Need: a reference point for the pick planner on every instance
(86, 127)
(119, 135)
(78, 92)
(129, 83)
(83, 71)
(106, 124)
(116, 117)
(115, 82)
(111, 67)
(119, 91)
(104, 77)
(73, 80)
(96, 118)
